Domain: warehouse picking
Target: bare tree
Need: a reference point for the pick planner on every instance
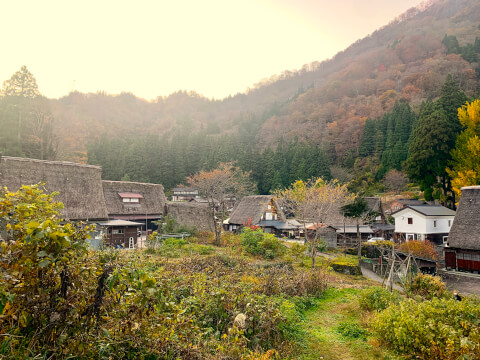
(218, 186)
(314, 201)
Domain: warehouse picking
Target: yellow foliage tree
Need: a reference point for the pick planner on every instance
(464, 168)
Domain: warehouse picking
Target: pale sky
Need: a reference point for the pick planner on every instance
(155, 47)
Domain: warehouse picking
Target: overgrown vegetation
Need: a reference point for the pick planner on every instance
(59, 300)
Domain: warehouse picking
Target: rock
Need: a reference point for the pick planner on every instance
(240, 321)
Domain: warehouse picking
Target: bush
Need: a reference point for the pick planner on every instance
(424, 249)
(437, 329)
(257, 243)
(377, 298)
(427, 286)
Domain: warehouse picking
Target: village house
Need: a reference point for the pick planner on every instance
(262, 211)
(79, 185)
(121, 233)
(423, 222)
(134, 201)
(184, 194)
(462, 248)
(374, 224)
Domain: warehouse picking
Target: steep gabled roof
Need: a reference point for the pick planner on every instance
(428, 210)
(79, 185)
(465, 231)
(151, 198)
(251, 208)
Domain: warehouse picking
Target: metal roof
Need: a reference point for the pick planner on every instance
(130, 195)
(120, 223)
(428, 210)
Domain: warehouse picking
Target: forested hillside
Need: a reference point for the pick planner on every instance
(355, 112)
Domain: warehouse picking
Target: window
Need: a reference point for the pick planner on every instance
(434, 223)
(131, 200)
(117, 231)
(410, 221)
(449, 223)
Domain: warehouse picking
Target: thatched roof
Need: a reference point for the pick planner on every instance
(191, 214)
(336, 218)
(465, 230)
(151, 198)
(79, 185)
(252, 208)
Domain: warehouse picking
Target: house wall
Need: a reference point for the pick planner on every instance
(442, 225)
(123, 238)
(422, 224)
(419, 225)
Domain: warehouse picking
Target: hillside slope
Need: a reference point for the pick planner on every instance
(324, 102)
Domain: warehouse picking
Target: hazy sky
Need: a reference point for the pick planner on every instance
(155, 47)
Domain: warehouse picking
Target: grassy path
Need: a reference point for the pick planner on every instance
(334, 329)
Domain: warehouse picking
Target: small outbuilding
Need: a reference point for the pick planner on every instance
(121, 233)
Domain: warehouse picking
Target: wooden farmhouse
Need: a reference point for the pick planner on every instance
(133, 201)
(184, 194)
(79, 185)
(462, 249)
(423, 222)
(374, 225)
(262, 211)
(121, 233)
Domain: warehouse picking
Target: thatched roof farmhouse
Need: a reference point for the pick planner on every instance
(79, 185)
(254, 209)
(260, 210)
(133, 200)
(462, 251)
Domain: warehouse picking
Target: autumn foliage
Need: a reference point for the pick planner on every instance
(423, 249)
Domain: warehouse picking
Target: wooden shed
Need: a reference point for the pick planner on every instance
(121, 233)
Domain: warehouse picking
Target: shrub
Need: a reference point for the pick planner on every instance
(257, 243)
(377, 298)
(437, 329)
(424, 249)
(427, 286)
(297, 251)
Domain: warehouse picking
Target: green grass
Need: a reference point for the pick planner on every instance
(334, 329)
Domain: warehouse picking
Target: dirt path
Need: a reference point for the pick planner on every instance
(334, 329)
(373, 276)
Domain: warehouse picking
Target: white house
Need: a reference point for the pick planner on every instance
(423, 222)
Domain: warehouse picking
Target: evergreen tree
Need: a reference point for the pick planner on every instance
(450, 100)
(429, 152)
(367, 146)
